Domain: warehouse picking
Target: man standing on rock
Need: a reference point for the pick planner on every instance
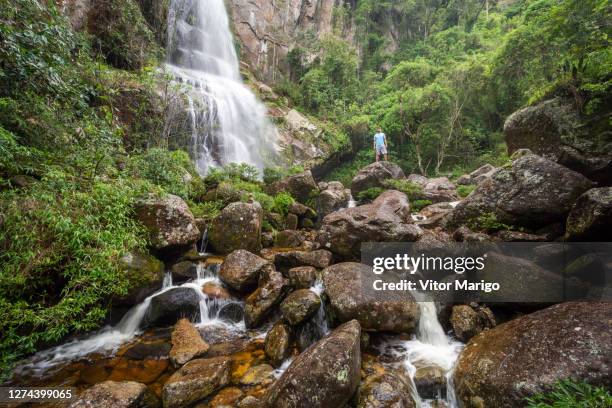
(380, 144)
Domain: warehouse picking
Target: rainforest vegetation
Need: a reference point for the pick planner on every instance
(83, 129)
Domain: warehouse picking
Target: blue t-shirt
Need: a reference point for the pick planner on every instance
(379, 139)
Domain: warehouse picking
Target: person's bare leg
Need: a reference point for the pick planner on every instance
(386, 158)
(376, 156)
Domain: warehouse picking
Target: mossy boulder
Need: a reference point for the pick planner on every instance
(591, 216)
(301, 186)
(195, 381)
(278, 341)
(169, 222)
(375, 175)
(502, 366)
(238, 226)
(241, 270)
(145, 275)
(271, 290)
(117, 394)
(387, 219)
(533, 192)
(349, 286)
(300, 306)
(324, 376)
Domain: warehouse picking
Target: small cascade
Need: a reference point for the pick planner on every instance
(109, 339)
(430, 347)
(280, 370)
(167, 280)
(351, 203)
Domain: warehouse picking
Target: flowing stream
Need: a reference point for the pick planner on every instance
(228, 123)
(108, 340)
(431, 347)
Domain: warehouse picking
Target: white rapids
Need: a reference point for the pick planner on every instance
(430, 347)
(228, 123)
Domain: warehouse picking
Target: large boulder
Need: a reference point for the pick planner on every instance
(145, 274)
(375, 175)
(554, 129)
(527, 355)
(300, 306)
(386, 219)
(195, 381)
(117, 394)
(238, 226)
(301, 186)
(272, 289)
(277, 343)
(349, 287)
(436, 190)
(169, 222)
(168, 307)
(333, 198)
(241, 269)
(591, 217)
(320, 258)
(533, 192)
(324, 376)
(187, 343)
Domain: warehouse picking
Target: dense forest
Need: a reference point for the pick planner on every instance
(89, 128)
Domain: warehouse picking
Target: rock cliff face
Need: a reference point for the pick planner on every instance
(268, 29)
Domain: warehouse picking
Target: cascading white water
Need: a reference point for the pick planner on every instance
(109, 339)
(351, 203)
(228, 123)
(430, 347)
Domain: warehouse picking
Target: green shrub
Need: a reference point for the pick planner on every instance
(232, 172)
(206, 210)
(488, 222)
(272, 174)
(282, 202)
(60, 244)
(465, 191)
(412, 190)
(171, 170)
(570, 394)
(121, 34)
(370, 194)
(418, 205)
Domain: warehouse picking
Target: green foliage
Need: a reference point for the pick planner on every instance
(370, 194)
(412, 190)
(281, 203)
(272, 174)
(207, 209)
(60, 244)
(121, 34)
(346, 171)
(488, 222)
(418, 205)
(558, 48)
(570, 394)
(232, 172)
(173, 171)
(465, 191)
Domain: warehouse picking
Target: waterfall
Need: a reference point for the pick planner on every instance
(228, 123)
